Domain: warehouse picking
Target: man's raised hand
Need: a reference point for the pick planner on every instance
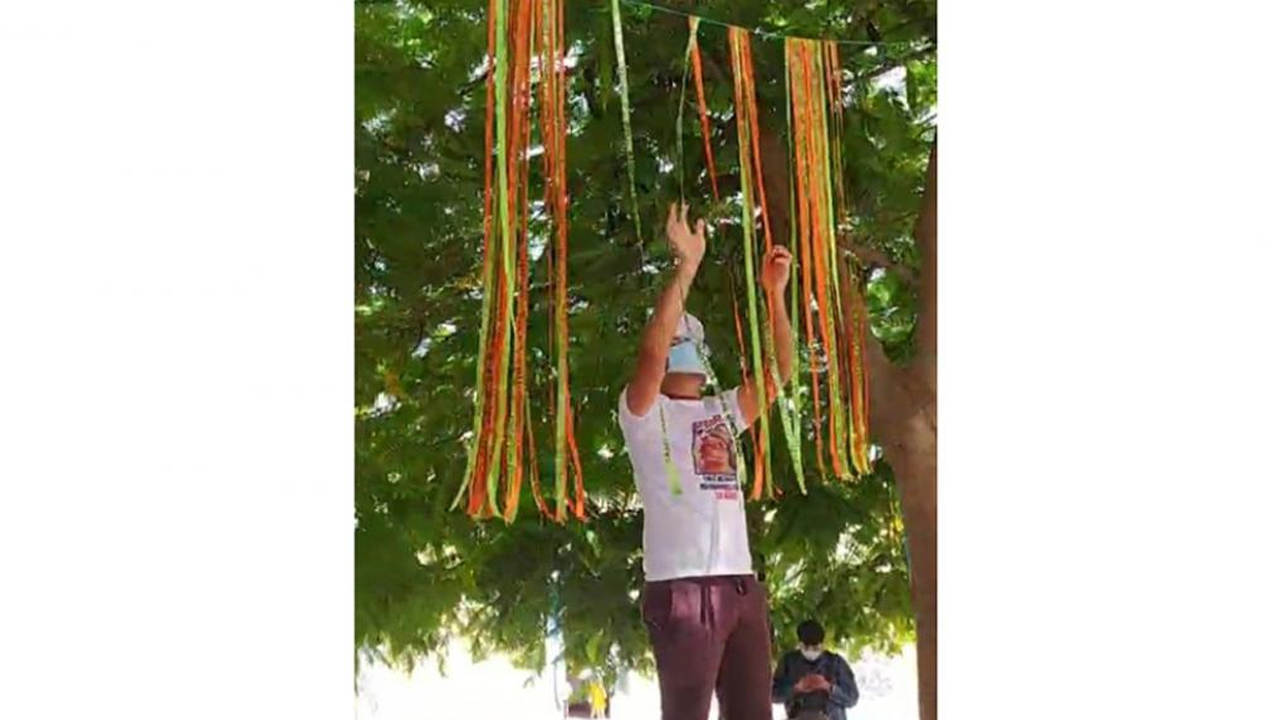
(776, 268)
(687, 245)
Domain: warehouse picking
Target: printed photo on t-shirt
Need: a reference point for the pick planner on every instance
(713, 456)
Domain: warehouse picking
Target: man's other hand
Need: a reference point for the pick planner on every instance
(812, 683)
(776, 269)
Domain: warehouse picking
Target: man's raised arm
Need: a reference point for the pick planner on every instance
(651, 363)
(774, 272)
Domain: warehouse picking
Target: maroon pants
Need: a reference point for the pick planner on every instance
(710, 633)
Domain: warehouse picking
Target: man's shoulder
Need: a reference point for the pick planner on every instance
(836, 659)
(627, 417)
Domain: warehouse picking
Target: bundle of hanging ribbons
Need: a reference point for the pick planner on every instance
(835, 323)
(519, 32)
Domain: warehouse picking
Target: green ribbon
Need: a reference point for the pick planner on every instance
(500, 81)
(626, 114)
(836, 314)
(673, 474)
(748, 259)
(684, 82)
(789, 403)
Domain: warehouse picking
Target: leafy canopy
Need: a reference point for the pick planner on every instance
(425, 574)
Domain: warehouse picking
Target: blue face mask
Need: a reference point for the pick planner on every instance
(683, 358)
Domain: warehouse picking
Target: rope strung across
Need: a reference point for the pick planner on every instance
(760, 33)
(502, 424)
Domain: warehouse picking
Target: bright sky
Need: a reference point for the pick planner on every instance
(494, 690)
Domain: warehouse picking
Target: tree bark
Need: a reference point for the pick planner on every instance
(904, 422)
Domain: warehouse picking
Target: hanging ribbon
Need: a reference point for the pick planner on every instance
(856, 341)
(501, 445)
(702, 107)
(816, 109)
(475, 447)
(791, 416)
(693, 57)
(788, 411)
(502, 437)
(626, 115)
(743, 95)
(684, 82)
(745, 374)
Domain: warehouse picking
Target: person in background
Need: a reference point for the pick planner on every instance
(811, 679)
(587, 699)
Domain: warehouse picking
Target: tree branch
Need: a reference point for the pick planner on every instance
(894, 63)
(872, 257)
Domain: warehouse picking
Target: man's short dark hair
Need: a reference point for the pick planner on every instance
(810, 632)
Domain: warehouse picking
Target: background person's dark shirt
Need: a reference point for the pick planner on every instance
(793, 666)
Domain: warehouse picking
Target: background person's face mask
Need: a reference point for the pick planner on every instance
(811, 653)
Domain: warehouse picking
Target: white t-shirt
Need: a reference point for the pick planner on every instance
(703, 530)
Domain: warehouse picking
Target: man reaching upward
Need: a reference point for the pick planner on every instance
(706, 613)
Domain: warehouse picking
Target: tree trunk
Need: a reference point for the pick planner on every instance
(904, 422)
